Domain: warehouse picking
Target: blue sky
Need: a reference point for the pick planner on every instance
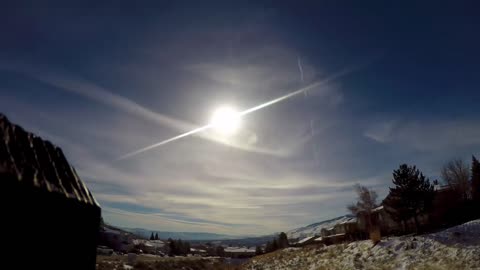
(401, 85)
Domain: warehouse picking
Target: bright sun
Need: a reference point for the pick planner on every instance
(225, 120)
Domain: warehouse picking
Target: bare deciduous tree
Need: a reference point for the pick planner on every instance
(475, 179)
(456, 174)
(366, 202)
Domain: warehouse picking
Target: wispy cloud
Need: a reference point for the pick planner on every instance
(300, 68)
(267, 170)
(293, 163)
(381, 132)
(241, 114)
(427, 135)
(103, 96)
(203, 184)
(208, 191)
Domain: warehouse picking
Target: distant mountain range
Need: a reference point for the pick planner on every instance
(315, 228)
(247, 242)
(310, 230)
(182, 235)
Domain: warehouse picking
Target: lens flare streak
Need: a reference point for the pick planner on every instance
(245, 112)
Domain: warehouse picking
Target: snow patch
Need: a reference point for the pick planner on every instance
(454, 248)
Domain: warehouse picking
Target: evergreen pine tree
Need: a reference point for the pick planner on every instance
(274, 245)
(268, 247)
(412, 195)
(172, 246)
(220, 251)
(156, 236)
(180, 247)
(151, 237)
(283, 240)
(475, 181)
(258, 250)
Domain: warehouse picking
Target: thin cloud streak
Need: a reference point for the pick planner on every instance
(134, 153)
(101, 95)
(271, 102)
(300, 69)
(245, 112)
(97, 94)
(164, 217)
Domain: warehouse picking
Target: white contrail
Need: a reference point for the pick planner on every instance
(164, 142)
(197, 130)
(98, 94)
(101, 95)
(300, 68)
(256, 108)
(271, 102)
(301, 90)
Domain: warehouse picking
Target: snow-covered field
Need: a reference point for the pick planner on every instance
(454, 248)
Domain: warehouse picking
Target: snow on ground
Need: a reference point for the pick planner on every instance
(465, 234)
(454, 248)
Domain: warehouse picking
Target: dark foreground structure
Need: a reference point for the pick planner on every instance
(49, 219)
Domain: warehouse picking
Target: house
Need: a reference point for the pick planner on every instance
(448, 207)
(331, 235)
(347, 230)
(334, 239)
(239, 252)
(305, 241)
(154, 246)
(151, 246)
(352, 228)
(198, 252)
(105, 251)
(384, 221)
(159, 244)
(116, 239)
(318, 240)
(349, 226)
(442, 204)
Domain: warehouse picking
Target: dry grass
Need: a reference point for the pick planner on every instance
(157, 263)
(364, 256)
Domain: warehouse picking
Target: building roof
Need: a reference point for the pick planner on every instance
(27, 159)
(306, 239)
(155, 243)
(198, 250)
(239, 250)
(441, 187)
(335, 235)
(350, 220)
(108, 230)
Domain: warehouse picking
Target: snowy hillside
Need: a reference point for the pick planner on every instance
(455, 248)
(314, 229)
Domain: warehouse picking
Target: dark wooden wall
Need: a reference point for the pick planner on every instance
(48, 218)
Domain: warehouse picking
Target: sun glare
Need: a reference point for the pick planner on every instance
(225, 120)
